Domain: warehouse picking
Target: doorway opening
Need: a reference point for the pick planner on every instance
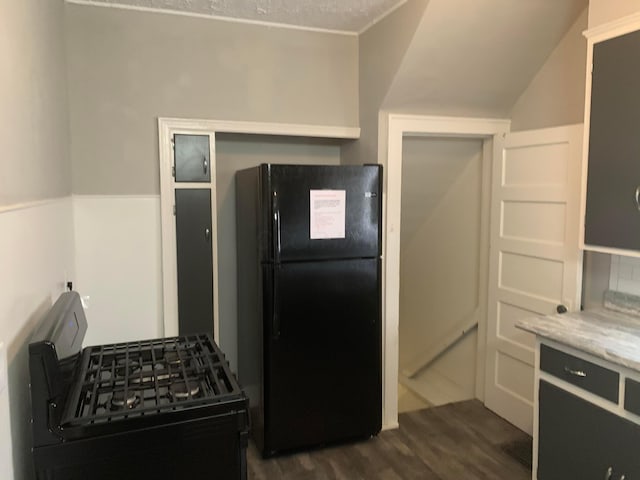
(395, 129)
(441, 257)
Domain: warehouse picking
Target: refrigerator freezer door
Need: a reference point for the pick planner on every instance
(345, 202)
(322, 358)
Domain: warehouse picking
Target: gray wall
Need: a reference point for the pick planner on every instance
(233, 153)
(555, 95)
(34, 125)
(381, 50)
(36, 240)
(604, 11)
(126, 68)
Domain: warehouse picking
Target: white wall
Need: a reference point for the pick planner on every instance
(118, 266)
(36, 255)
(440, 261)
(625, 274)
(596, 277)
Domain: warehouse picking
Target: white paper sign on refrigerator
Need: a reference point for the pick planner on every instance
(327, 213)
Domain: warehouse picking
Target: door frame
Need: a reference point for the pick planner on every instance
(167, 127)
(392, 127)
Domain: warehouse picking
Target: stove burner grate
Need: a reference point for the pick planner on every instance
(155, 376)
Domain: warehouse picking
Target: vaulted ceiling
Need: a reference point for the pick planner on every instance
(475, 58)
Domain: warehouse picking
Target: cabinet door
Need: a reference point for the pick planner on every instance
(612, 217)
(578, 440)
(195, 261)
(192, 158)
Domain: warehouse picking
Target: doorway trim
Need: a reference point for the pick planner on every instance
(391, 130)
(167, 127)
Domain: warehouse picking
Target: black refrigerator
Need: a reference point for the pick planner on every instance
(309, 302)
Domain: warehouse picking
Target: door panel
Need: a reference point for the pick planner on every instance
(535, 263)
(323, 357)
(289, 199)
(194, 261)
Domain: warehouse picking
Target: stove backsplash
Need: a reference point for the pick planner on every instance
(625, 275)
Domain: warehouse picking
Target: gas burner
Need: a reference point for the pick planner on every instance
(147, 377)
(119, 402)
(124, 367)
(140, 379)
(179, 391)
(171, 357)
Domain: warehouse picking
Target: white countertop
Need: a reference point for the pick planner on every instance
(606, 334)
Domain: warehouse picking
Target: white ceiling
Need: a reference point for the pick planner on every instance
(341, 15)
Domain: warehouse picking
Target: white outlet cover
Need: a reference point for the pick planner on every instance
(3, 368)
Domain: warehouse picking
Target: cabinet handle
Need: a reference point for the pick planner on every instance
(607, 476)
(205, 164)
(575, 373)
(207, 234)
(637, 197)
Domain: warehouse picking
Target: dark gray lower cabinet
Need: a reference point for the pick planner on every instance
(195, 261)
(578, 440)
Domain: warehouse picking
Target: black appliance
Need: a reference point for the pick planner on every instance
(167, 407)
(309, 302)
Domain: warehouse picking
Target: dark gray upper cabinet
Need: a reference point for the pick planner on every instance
(613, 184)
(192, 158)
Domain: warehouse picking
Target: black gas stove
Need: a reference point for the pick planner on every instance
(167, 406)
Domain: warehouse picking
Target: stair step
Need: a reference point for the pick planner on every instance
(408, 401)
(434, 388)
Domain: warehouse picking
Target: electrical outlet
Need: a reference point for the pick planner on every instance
(3, 368)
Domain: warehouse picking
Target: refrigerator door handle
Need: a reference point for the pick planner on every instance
(277, 247)
(275, 317)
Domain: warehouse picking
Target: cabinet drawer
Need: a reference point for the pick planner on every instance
(589, 376)
(632, 396)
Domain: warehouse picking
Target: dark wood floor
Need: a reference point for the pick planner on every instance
(461, 441)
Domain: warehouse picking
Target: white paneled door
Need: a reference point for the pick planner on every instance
(535, 263)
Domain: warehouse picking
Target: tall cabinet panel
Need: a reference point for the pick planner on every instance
(195, 260)
(612, 217)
